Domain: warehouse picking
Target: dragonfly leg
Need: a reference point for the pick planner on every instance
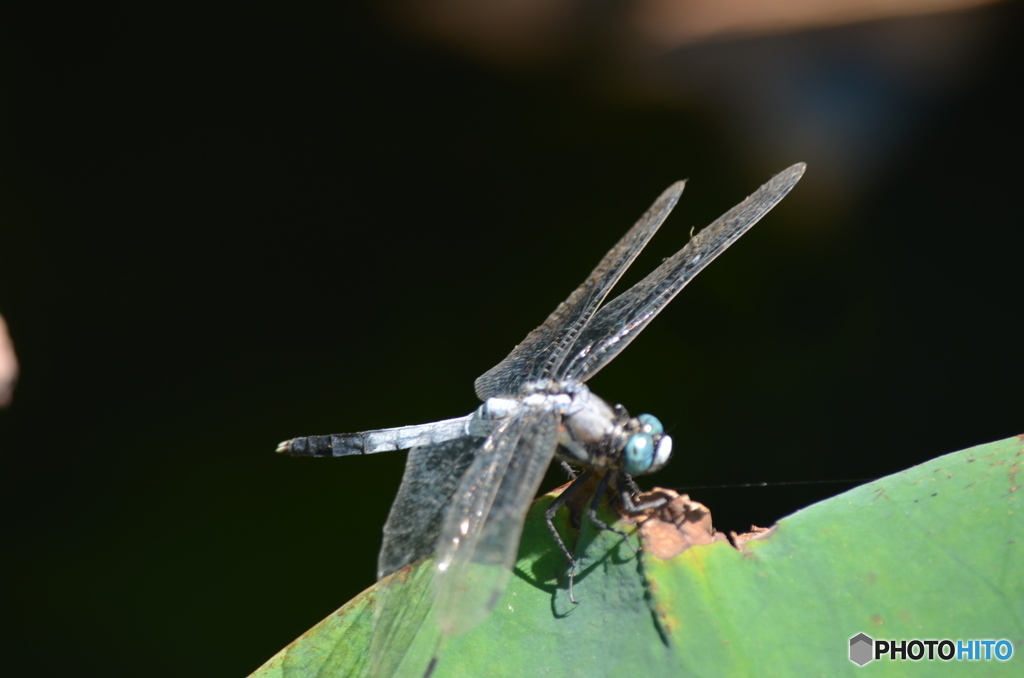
(592, 512)
(568, 469)
(627, 489)
(549, 516)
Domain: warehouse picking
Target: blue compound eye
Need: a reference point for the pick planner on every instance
(639, 453)
(650, 424)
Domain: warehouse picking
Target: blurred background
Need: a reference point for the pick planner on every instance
(221, 227)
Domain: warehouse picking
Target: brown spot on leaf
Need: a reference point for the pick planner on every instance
(675, 526)
(681, 523)
(739, 540)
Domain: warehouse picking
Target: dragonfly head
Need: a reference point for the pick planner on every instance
(648, 449)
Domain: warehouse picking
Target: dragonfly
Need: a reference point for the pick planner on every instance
(469, 481)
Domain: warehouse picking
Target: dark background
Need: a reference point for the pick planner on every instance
(221, 228)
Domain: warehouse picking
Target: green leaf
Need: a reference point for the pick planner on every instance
(933, 552)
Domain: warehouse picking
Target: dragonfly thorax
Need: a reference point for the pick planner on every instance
(597, 435)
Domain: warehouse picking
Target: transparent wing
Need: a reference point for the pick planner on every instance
(545, 348)
(402, 603)
(432, 474)
(622, 319)
(480, 537)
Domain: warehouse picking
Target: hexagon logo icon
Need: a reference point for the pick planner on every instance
(861, 647)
